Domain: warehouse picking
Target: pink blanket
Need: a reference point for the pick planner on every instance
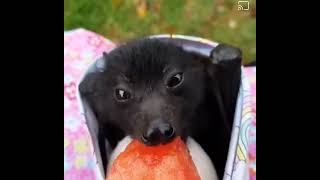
(80, 49)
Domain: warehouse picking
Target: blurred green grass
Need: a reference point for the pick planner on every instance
(121, 20)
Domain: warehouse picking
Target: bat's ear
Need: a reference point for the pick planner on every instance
(90, 84)
(226, 54)
(225, 74)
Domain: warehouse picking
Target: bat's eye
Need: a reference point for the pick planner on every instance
(122, 95)
(175, 80)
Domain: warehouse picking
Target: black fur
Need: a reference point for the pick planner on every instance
(201, 107)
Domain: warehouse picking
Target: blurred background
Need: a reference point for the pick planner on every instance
(121, 20)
